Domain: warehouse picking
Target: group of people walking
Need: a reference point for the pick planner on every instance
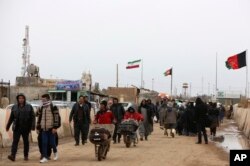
(190, 118)
(186, 119)
(23, 120)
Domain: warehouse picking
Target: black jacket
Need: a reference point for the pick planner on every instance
(22, 118)
(214, 112)
(201, 113)
(118, 112)
(74, 113)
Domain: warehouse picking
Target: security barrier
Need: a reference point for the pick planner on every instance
(6, 137)
(242, 118)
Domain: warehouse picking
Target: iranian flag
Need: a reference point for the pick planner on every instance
(236, 61)
(133, 64)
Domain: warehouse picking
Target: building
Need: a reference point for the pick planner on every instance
(124, 94)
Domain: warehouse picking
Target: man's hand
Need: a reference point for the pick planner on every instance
(54, 131)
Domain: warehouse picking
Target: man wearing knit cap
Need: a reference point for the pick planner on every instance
(104, 116)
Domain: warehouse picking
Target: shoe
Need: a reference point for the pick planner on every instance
(56, 156)
(198, 142)
(12, 158)
(141, 139)
(76, 144)
(26, 158)
(146, 138)
(44, 160)
(206, 142)
(166, 133)
(172, 134)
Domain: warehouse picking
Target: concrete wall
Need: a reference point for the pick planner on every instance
(242, 118)
(6, 137)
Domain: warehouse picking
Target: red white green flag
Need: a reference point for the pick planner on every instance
(133, 64)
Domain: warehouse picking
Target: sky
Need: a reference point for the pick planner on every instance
(68, 37)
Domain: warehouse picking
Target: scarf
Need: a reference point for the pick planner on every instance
(46, 103)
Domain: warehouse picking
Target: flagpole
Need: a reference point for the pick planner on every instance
(117, 76)
(141, 73)
(216, 77)
(171, 81)
(246, 74)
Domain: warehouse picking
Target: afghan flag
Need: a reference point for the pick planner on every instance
(133, 64)
(236, 61)
(168, 72)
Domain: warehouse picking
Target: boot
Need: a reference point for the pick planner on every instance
(26, 158)
(119, 140)
(166, 132)
(12, 158)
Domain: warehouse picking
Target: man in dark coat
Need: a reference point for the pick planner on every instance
(213, 113)
(81, 117)
(22, 118)
(190, 125)
(118, 112)
(200, 118)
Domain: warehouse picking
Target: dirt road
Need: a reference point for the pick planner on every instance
(158, 151)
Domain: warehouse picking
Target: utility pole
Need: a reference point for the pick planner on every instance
(152, 84)
(216, 78)
(202, 82)
(190, 89)
(208, 89)
(117, 76)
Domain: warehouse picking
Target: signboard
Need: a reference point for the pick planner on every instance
(69, 85)
(228, 94)
(220, 94)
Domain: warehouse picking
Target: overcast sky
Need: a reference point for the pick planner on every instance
(68, 37)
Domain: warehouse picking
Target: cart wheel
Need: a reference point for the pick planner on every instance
(100, 152)
(128, 141)
(106, 151)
